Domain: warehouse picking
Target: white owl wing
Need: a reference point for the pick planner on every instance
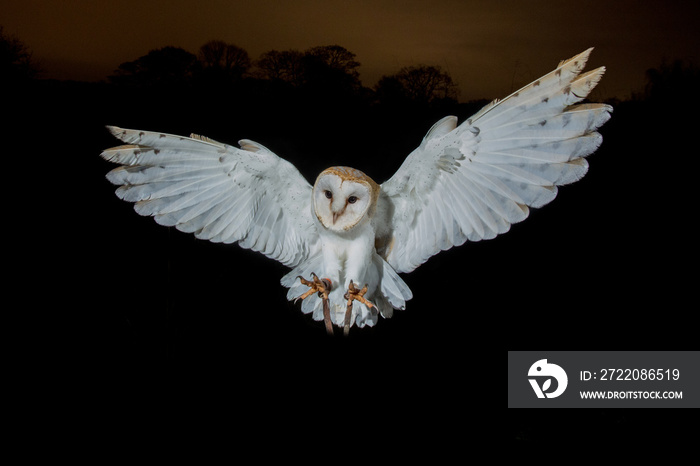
(472, 181)
(218, 192)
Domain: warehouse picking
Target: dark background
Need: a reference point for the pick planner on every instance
(127, 311)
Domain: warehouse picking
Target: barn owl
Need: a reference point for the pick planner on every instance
(347, 238)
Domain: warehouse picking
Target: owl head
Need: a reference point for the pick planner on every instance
(343, 197)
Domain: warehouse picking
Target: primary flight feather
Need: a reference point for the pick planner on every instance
(346, 238)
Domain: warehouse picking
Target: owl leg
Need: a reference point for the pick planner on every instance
(322, 287)
(352, 295)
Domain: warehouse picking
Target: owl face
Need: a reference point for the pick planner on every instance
(343, 197)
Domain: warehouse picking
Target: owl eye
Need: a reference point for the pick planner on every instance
(352, 199)
(329, 194)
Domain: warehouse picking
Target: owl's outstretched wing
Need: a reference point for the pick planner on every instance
(218, 192)
(472, 181)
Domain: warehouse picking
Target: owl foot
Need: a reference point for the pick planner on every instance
(322, 287)
(352, 295)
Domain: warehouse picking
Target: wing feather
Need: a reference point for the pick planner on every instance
(474, 180)
(216, 191)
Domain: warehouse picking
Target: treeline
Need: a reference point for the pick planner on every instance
(326, 70)
(330, 71)
(288, 95)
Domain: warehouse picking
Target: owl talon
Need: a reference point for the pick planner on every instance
(316, 285)
(352, 295)
(323, 288)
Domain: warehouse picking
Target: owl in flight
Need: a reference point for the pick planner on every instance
(346, 238)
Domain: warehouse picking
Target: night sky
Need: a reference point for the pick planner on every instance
(489, 48)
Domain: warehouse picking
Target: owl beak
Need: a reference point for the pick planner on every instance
(338, 213)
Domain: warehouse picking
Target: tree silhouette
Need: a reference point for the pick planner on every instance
(16, 62)
(168, 66)
(672, 83)
(422, 84)
(336, 58)
(285, 66)
(223, 61)
(330, 68)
